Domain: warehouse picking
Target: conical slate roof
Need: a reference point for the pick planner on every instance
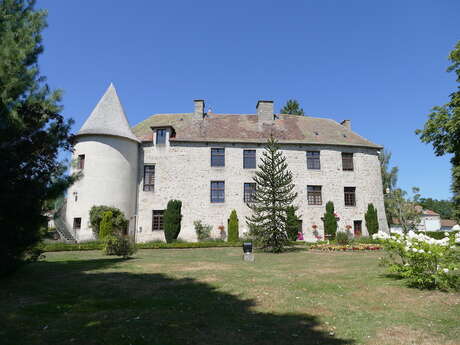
(108, 118)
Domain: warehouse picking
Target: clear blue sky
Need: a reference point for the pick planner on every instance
(379, 63)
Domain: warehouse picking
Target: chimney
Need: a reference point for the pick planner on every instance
(265, 110)
(199, 108)
(346, 124)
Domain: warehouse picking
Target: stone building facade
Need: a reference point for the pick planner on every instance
(207, 161)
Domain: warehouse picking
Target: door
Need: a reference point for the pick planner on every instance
(357, 228)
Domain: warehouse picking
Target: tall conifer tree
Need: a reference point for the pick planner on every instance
(292, 107)
(273, 195)
(31, 133)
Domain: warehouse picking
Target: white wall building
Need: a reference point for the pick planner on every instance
(207, 161)
(429, 221)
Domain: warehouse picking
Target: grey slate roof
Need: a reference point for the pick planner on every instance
(108, 118)
(288, 129)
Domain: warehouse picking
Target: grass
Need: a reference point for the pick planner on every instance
(210, 296)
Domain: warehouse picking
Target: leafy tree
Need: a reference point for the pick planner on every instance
(106, 226)
(292, 107)
(233, 231)
(172, 218)
(372, 222)
(274, 193)
(32, 133)
(445, 208)
(292, 223)
(442, 130)
(405, 208)
(330, 221)
(389, 180)
(96, 213)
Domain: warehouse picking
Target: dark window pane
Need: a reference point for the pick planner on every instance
(217, 191)
(313, 160)
(161, 136)
(217, 157)
(149, 177)
(81, 162)
(249, 159)
(77, 223)
(347, 161)
(249, 190)
(157, 220)
(350, 196)
(314, 195)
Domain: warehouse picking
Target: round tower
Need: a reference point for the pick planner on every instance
(106, 155)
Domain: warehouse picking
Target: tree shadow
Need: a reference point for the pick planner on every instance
(83, 302)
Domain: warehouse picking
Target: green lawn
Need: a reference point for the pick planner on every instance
(210, 296)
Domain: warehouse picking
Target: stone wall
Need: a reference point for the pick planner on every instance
(183, 172)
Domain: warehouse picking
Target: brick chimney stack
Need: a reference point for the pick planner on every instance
(265, 111)
(199, 108)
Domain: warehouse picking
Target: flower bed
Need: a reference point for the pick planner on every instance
(347, 247)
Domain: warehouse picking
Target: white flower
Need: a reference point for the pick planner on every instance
(414, 250)
(446, 270)
(421, 251)
(446, 234)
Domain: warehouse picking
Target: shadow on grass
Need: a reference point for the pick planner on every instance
(84, 302)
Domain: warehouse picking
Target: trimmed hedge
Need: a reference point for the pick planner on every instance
(437, 235)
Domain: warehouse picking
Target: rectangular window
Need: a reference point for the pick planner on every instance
(157, 220)
(217, 191)
(347, 161)
(313, 160)
(249, 190)
(149, 177)
(314, 195)
(217, 157)
(350, 196)
(249, 159)
(161, 136)
(81, 162)
(77, 223)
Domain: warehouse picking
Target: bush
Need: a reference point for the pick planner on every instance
(372, 223)
(106, 225)
(342, 237)
(292, 223)
(423, 261)
(119, 222)
(330, 221)
(203, 231)
(233, 228)
(172, 219)
(119, 246)
(437, 235)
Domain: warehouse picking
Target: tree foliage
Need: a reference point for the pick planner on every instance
(389, 180)
(292, 107)
(445, 208)
(404, 207)
(233, 227)
(106, 226)
(442, 130)
(172, 218)
(274, 193)
(372, 221)
(330, 221)
(119, 222)
(32, 133)
(292, 223)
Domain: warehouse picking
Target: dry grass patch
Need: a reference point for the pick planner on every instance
(403, 335)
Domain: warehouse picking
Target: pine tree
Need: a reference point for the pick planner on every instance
(172, 218)
(292, 223)
(274, 193)
(32, 133)
(372, 222)
(330, 221)
(292, 107)
(233, 231)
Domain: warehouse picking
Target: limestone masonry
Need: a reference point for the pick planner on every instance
(207, 161)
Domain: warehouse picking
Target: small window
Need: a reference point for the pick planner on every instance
(81, 162)
(314, 195)
(161, 136)
(149, 177)
(350, 196)
(217, 157)
(249, 190)
(157, 220)
(347, 161)
(249, 159)
(77, 223)
(313, 160)
(217, 191)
